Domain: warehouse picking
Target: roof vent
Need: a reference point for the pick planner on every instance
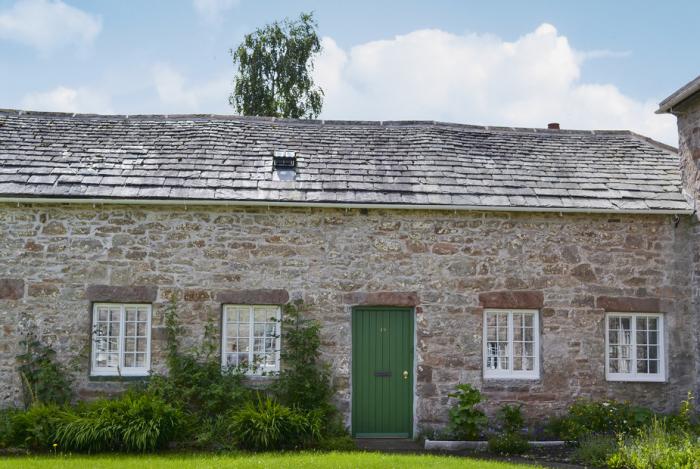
(284, 160)
(553, 126)
(284, 165)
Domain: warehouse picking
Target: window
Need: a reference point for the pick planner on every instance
(634, 347)
(121, 340)
(511, 345)
(251, 338)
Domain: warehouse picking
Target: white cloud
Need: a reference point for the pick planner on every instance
(65, 99)
(178, 96)
(48, 24)
(211, 10)
(479, 79)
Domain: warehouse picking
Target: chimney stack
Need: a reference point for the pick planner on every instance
(553, 126)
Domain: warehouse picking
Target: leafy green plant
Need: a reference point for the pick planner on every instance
(43, 378)
(594, 450)
(35, 428)
(686, 418)
(268, 424)
(303, 381)
(6, 416)
(131, 423)
(510, 418)
(510, 440)
(600, 417)
(196, 384)
(508, 444)
(466, 422)
(656, 447)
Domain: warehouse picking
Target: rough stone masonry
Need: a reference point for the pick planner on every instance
(57, 259)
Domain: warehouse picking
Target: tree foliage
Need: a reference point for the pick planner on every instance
(275, 64)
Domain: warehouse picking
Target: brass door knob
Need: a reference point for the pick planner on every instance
(405, 374)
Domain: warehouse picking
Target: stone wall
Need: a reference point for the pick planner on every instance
(688, 114)
(449, 265)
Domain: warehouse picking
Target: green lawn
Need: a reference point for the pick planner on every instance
(276, 461)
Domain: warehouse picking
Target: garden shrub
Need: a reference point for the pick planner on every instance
(195, 380)
(601, 418)
(6, 416)
(594, 450)
(197, 385)
(303, 382)
(466, 422)
(35, 428)
(43, 378)
(657, 447)
(267, 425)
(132, 423)
(510, 418)
(510, 440)
(508, 444)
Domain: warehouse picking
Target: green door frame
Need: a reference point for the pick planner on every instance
(405, 359)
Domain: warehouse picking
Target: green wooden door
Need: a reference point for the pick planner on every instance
(382, 372)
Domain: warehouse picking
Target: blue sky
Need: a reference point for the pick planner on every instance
(593, 64)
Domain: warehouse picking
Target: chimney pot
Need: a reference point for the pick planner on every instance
(553, 125)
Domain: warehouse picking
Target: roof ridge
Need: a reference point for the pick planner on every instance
(330, 122)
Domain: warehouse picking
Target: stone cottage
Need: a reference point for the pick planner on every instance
(539, 265)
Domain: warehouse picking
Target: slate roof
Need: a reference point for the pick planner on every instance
(225, 158)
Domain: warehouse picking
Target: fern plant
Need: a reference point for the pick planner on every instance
(267, 425)
(131, 423)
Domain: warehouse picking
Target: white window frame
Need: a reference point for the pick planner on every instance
(252, 370)
(510, 373)
(660, 376)
(121, 370)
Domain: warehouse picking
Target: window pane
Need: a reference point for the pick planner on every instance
(518, 349)
(625, 324)
(491, 320)
(653, 366)
(129, 360)
(614, 366)
(653, 337)
(641, 323)
(641, 337)
(491, 333)
(653, 324)
(642, 353)
(243, 345)
(642, 366)
(653, 352)
(625, 366)
(614, 351)
(517, 363)
(613, 337)
(614, 323)
(129, 345)
(140, 360)
(259, 330)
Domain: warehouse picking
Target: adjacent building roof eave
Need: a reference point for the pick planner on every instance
(255, 203)
(680, 95)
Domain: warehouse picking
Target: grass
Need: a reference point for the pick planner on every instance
(268, 460)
